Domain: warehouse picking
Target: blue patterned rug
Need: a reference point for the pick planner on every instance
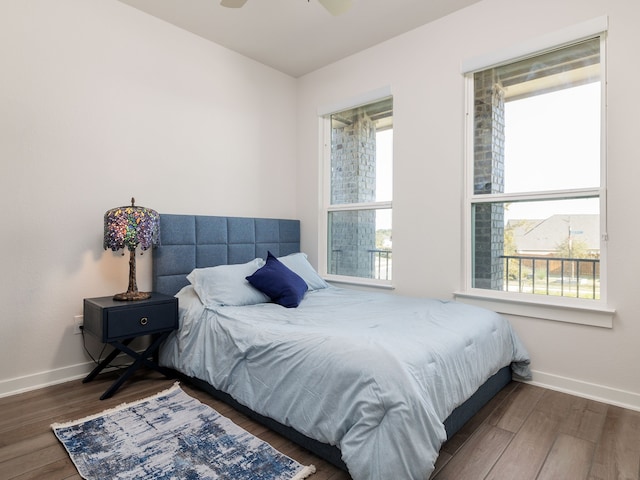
(171, 436)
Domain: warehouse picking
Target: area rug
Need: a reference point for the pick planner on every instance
(171, 435)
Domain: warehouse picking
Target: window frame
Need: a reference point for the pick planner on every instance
(326, 207)
(593, 312)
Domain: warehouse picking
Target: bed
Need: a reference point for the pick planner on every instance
(336, 373)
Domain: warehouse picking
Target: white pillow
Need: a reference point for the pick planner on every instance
(227, 284)
(298, 263)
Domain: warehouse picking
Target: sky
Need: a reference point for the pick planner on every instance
(384, 176)
(552, 142)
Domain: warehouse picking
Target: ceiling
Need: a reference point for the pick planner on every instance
(298, 36)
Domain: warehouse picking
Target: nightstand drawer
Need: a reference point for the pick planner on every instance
(112, 320)
(132, 322)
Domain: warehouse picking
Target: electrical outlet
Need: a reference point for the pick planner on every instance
(78, 320)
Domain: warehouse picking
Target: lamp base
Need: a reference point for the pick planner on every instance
(131, 296)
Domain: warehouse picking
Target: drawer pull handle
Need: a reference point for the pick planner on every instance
(143, 321)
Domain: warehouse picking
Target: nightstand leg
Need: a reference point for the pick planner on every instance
(140, 359)
(104, 363)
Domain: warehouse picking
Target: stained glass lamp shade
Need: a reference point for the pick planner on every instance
(130, 227)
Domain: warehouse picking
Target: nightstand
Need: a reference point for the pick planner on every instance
(118, 323)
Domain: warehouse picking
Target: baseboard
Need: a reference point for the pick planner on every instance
(592, 391)
(35, 381)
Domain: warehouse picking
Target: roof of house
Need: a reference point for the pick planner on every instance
(544, 236)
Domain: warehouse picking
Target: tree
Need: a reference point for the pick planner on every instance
(572, 248)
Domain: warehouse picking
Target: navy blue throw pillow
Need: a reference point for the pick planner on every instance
(279, 283)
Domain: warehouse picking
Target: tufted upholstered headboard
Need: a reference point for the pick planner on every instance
(198, 241)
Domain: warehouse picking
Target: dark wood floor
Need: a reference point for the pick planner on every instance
(526, 432)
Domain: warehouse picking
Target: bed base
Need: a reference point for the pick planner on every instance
(468, 409)
(330, 453)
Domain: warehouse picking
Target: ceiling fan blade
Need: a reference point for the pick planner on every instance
(336, 7)
(232, 3)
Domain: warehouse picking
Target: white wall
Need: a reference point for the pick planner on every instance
(423, 69)
(100, 102)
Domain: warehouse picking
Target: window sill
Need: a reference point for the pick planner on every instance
(360, 282)
(562, 310)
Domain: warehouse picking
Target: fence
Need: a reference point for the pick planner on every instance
(566, 277)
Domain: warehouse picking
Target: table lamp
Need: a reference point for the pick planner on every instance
(129, 227)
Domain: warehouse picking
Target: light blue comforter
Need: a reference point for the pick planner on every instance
(372, 373)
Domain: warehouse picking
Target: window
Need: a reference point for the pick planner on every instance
(535, 201)
(359, 196)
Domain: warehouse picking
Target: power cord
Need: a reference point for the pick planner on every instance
(99, 359)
